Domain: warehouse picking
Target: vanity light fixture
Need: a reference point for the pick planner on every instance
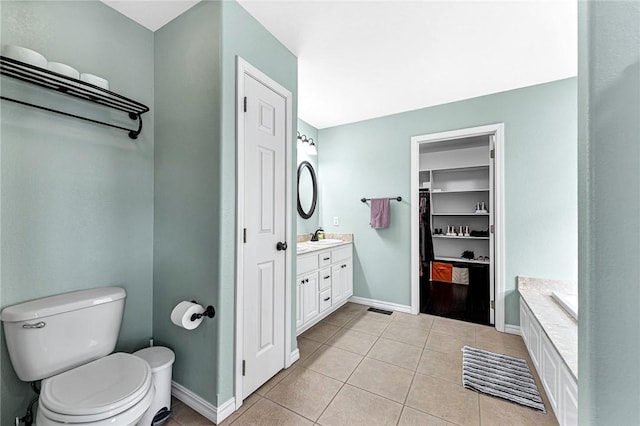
(310, 147)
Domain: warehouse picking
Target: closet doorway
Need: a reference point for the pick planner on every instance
(457, 246)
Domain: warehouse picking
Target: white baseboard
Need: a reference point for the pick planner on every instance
(512, 329)
(380, 304)
(205, 408)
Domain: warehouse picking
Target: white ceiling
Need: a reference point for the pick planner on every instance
(364, 59)
(152, 14)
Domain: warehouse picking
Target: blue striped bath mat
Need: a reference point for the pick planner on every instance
(500, 375)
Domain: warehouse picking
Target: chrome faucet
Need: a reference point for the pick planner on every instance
(314, 236)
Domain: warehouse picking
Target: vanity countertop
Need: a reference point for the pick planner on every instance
(311, 248)
(303, 241)
(558, 325)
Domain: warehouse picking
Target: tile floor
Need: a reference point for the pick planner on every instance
(363, 368)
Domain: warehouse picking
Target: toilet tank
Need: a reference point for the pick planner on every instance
(51, 335)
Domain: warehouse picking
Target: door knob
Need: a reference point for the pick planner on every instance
(281, 246)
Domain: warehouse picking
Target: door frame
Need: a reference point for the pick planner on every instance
(243, 67)
(496, 130)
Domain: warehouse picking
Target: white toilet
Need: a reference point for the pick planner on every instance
(66, 341)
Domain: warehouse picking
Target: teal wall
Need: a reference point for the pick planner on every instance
(77, 198)
(609, 201)
(243, 36)
(372, 159)
(187, 189)
(306, 226)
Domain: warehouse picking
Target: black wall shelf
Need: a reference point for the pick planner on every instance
(75, 88)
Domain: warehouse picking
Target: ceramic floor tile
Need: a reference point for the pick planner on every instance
(265, 412)
(246, 404)
(333, 362)
(411, 417)
(353, 406)
(445, 400)
(448, 344)
(369, 322)
(264, 389)
(306, 392)
(495, 411)
(340, 318)
(382, 379)
(396, 353)
(171, 422)
(185, 416)
(421, 321)
(352, 308)
(443, 366)
(458, 329)
(307, 347)
(404, 333)
(320, 332)
(490, 335)
(353, 341)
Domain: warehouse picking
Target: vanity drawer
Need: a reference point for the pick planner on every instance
(325, 278)
(307, 264)
(341, 253)
(325, 300)
(324, 259)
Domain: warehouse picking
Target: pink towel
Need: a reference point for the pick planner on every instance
(380, 213)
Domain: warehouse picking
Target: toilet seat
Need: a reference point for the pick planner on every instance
(98, 390)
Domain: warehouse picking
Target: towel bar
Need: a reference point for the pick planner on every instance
(364, 200)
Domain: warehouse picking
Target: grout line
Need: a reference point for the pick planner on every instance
(288, 409)
(345, 382)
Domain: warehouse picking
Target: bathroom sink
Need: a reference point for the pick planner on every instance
(302, 249)
(325, 242)
(568, 302)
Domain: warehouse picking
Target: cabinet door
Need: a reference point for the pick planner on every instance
(524, 322)
(341, 281)
(299, 299)
(535, 339)
(550, 364)
(337, 282)
(310, 302)
(348, 279)
(568, 412)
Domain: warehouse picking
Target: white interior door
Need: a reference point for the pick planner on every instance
(492, 211)
(265, 226)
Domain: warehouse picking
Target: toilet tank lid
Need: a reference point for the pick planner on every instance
(67, 302)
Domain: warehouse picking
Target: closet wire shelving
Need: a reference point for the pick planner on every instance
(75, 88)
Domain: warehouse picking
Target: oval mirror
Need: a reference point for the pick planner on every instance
(307, 190)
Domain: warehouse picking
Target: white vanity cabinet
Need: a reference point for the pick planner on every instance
(324, 283)
(559, 384)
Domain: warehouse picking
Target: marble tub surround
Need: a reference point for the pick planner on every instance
(548, 286)
(348, 238)
(558, 325)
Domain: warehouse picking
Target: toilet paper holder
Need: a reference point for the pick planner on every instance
(208, 312)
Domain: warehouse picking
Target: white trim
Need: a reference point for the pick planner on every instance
(205, 408)
(243, 67)
(499, 236)
(295, 355)
(380, 304)
(512, 329)
(499, 266)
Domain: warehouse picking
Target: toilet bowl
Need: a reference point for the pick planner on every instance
(114, 390)
(67, 341)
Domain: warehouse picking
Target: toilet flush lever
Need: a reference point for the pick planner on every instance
(40, 324)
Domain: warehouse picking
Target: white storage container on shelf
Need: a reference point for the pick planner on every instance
(161, 361)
